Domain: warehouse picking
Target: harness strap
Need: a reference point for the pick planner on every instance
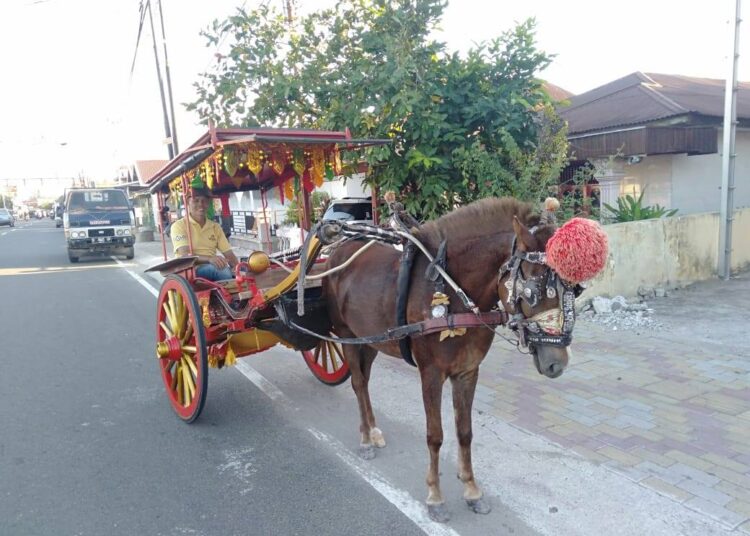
(402, 298)
(420, 329)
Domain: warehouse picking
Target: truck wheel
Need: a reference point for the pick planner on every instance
(72, 258)
(130, 253)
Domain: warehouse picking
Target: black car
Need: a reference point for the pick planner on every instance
(6, 218)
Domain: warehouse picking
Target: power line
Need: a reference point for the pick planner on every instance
(167, 128)
(169, 81)
(137, 41)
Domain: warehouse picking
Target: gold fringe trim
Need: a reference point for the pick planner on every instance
(231, 359)
(446, 333)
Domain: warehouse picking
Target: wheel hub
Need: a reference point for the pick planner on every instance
(171, 348)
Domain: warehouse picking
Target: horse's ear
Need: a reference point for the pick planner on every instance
(525, 241)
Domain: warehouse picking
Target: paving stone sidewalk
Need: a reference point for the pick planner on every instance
(669, 408)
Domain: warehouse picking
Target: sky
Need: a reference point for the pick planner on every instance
(69, 105)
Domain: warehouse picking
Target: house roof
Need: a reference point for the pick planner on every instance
(556, 93)
(641, 98)
(146, 169)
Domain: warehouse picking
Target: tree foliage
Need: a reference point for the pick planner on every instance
(462, 127)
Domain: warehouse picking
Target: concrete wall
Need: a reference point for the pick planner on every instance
(669, 252)
(691, 184)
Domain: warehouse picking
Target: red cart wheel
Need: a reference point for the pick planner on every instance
(181, 347)
(326, 362)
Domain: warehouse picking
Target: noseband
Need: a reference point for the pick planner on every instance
(554, 328)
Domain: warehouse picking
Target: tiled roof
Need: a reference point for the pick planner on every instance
(146, 169)
(641, 98)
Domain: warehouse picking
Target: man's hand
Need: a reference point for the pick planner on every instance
(219, 261)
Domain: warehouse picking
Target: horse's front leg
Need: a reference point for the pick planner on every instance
(464, 386)
(432, 389)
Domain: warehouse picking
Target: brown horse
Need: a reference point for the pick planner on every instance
(362, 302)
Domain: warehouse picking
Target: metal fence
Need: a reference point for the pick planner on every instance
(247, 223)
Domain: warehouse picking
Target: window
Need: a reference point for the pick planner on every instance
(98, 200)
(349, 211)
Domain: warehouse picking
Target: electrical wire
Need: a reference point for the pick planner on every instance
(137, 40)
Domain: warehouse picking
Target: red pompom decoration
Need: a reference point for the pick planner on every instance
(578, 250)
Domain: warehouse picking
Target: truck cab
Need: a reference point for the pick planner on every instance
(98, 221)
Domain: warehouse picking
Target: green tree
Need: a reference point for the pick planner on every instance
(319, 202)
(462, 127)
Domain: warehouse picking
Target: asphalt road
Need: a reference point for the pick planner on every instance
(89, 444)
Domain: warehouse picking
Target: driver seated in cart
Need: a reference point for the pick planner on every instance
(207, 236)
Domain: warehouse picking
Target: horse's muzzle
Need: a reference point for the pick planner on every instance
(550, 360)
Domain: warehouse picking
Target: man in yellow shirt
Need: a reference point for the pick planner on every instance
(207, 236)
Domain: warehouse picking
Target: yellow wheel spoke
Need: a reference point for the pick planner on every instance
(178, 373)
(189, 349)
(181, 314)
(188, 334)
(168, 312)
(324, 356)
(165, 328)
(332, 353)
(337, 348)
(174, 375)
(189, 360)
(173, 296)
(188, 385)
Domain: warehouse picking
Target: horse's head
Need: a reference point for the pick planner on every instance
(539, 302)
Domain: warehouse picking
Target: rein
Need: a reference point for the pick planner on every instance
(418, 329)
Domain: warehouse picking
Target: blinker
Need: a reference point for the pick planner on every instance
(531, 292)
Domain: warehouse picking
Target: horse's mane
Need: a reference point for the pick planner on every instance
(486, 216)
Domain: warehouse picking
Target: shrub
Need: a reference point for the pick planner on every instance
(631, 209)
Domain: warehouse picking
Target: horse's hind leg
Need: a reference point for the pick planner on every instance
(367, 357)
(432, 389)
(464, 386)
(359, 359)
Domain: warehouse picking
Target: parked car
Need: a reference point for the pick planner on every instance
(6, 218)
(58, 216)
(351, 209)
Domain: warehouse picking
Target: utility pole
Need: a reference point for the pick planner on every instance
(169, 81)
(167, 129)
(728, 154)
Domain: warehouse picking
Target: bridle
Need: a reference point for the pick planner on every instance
(552, 327)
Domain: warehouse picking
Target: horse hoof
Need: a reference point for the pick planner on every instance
(376, 436)
(479, 506)
(366, 452)
(438, 513)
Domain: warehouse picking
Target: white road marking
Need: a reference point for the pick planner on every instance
(138, 278)
(407, 505)
(270, 390)
(402, 500)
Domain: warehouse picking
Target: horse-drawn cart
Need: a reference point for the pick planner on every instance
(204, 324)
(435, 302)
